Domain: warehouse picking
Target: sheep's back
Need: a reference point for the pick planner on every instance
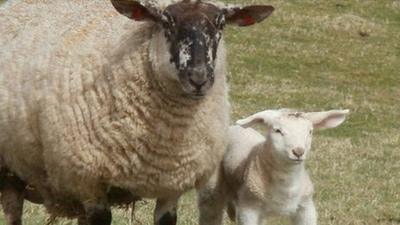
(52, 50)
(48, 45)
(52, 54)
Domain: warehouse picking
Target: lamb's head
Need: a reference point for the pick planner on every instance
(289, 133)
(186, 47)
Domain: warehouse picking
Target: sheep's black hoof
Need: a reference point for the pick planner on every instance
(16, 222)
(99, 216)
(168, 218)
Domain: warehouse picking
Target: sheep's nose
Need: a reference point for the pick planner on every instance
(198, 78)
(198, 83)
(298, 152)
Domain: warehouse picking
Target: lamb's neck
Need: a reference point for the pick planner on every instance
(280, 171)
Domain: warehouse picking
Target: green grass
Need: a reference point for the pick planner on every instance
(317, 55)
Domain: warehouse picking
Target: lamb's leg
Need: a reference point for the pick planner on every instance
(306, 214)
(248, 216)
(12, 199)
(211, 208)
(212, 200)
(165, 212)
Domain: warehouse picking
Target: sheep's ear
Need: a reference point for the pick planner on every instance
(247, 16)
(327, 119)
(135, 10)
(262, 118)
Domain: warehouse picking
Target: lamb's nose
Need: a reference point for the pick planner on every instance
(298, 152)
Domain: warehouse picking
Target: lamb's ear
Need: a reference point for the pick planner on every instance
(262, 118)
(135, 10)
(327, 119)
(246, 16)
(250, 121)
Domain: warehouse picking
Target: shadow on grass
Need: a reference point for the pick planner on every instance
(390, 220)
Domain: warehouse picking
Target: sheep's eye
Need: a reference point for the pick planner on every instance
(311, 131)
(167, 20)
(220, 21)
(279, 131)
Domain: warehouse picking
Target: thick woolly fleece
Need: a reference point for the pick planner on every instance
(84, 105)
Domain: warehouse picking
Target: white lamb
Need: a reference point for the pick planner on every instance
(264, 176)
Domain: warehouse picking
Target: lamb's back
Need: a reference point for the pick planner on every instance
(242, 141)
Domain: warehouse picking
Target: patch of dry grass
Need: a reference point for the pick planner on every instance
(316, 55)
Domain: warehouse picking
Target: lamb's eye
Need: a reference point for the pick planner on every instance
(279, 131)
(311, 131)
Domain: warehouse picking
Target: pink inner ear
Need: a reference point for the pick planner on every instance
(137, 14)
(248, 20)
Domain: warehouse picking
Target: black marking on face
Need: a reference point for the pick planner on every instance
(194, 31)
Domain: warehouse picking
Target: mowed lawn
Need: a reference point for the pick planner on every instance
(319, 55)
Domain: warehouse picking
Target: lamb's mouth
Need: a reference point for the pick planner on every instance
(297, 160)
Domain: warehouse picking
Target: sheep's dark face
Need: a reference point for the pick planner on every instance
(192, 31)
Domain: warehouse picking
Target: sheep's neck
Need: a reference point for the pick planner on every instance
(135, 77)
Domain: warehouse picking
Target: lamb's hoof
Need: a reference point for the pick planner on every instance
(168, 218)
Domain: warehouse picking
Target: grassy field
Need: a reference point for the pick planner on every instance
(317, 55)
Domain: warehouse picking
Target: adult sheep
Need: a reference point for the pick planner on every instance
(91, 102)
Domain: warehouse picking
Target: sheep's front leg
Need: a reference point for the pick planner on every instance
(12, 199)
(97, 213)
(306, 214)
(165, 212)
(82, 220)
